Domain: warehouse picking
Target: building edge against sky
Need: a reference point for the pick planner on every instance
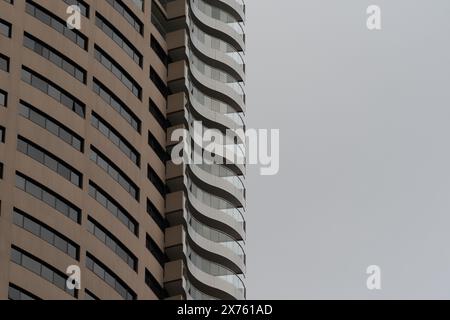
(85, 123)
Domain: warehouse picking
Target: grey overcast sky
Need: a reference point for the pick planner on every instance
(365, 149)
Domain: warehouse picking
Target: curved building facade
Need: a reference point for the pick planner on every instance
(86, 180)
(206, 204)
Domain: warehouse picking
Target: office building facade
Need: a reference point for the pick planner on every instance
(86, 121)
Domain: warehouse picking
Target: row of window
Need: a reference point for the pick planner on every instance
(158, 19)
(114, 172)
(154, 213)
(158, 115)
(55, 57)
(42, 269)
(56, 23)
(54, 91)
(88, 295)
(5, 28)
(118, 71)
(49, 197)
(44, 232)
(3, 98)
(19, 294)
(154, 285)
(118, 38)
(2, 134)
(158, 82)
(109, 277)
(156, 181)
(157, 148)
(114, 102)
(113, 243)
(154, 249)
(113, 207)
(51, 125)
(160, 52)
(129, 16)
(49, 160)
(4, 63)
(108, 131)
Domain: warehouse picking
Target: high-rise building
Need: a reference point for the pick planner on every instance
(86, 123)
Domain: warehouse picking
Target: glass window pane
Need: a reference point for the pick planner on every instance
(62, 207)
(110, 280)
(35, 154)
(72, 251)
(73, 215)
(47, 273)
(51, 163)
(47, 235)
(59, 281)
(49, 199)
(34, 190)
(52, 127)
(31, 226)
(17, 219)
(60, 244)
(99, 271)
(16, 256)
(31, 264)
(100, 235)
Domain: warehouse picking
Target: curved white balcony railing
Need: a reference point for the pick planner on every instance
(218, 237)
(231, 153)
(216, 202)
(237, 5)
(226, 189)
(213, 250)
(224, 173)
(216, 74)
(220, 119)
(212, 284)
(234, 222)
(222, 29)
(219, 45)
(218, 107)
(196, 294)
(217, 272)
(229, 61)
(220, 15)
(225, 92)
